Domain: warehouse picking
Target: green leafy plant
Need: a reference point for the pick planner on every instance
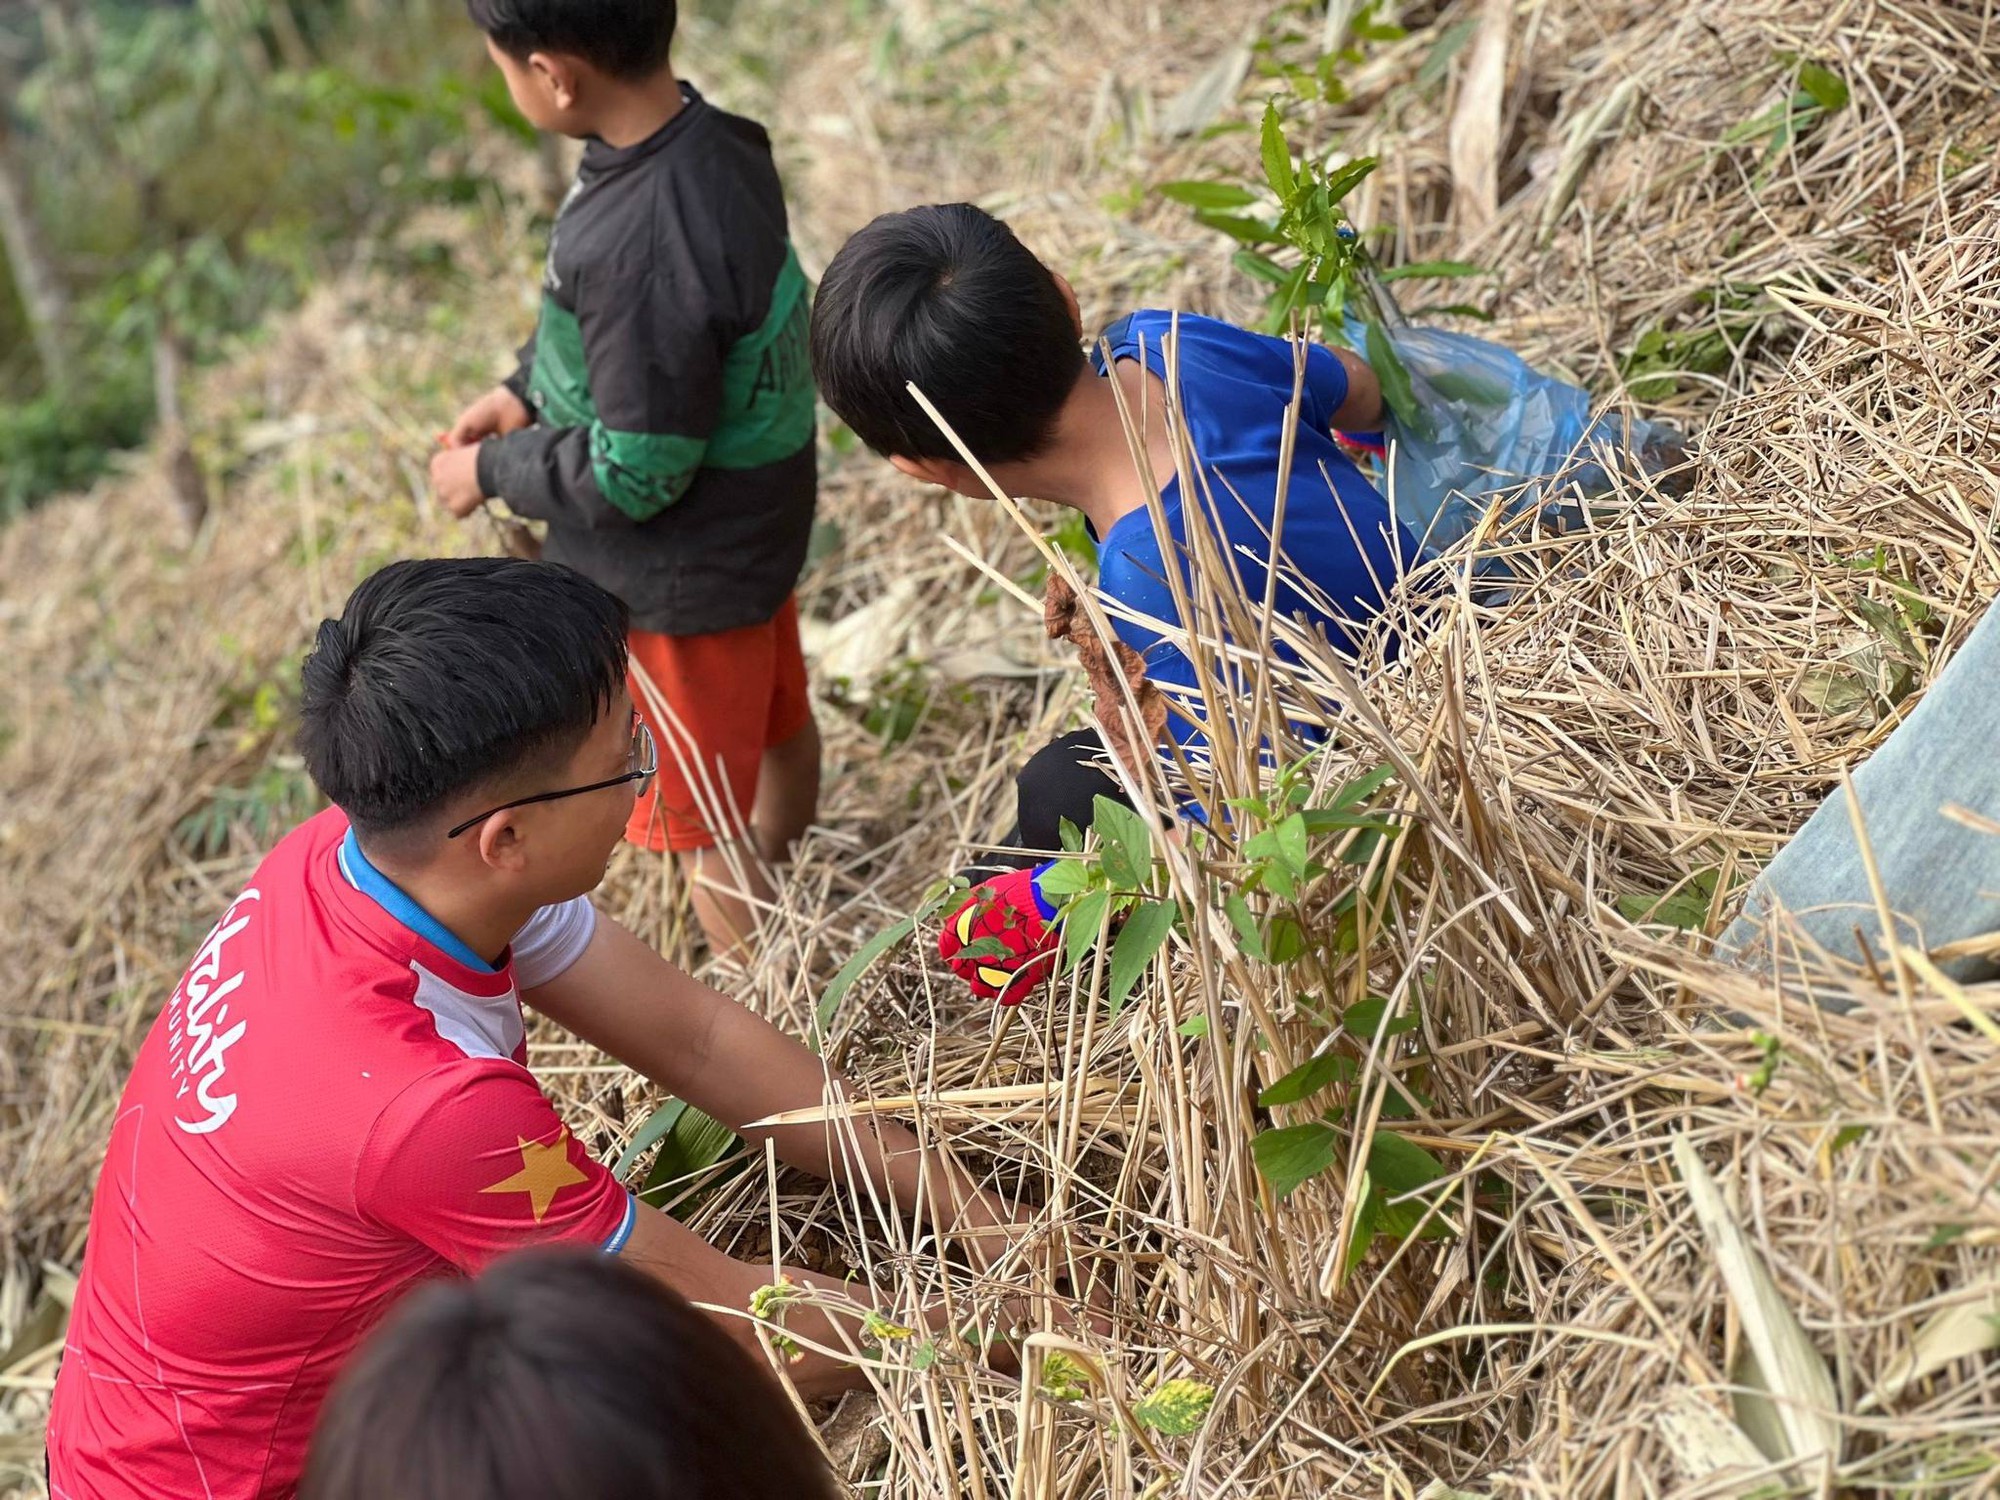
(1660, 358)
(1817, 92)
(1295, 236)
(1686, 906)
(768, 1305)
(1393, 1204)
(895, 704)
(278, 797)
(1175, 1407)
(1113, 884)
(691, 1144)
(1064, 1377)
(1278, 858)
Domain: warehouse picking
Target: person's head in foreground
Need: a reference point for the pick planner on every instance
(571, 64)
(470, 717)
(946, 298)
(558, 1375)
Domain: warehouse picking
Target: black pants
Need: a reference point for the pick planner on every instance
(1061, 780)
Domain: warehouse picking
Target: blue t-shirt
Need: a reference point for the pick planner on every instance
(1341, 550)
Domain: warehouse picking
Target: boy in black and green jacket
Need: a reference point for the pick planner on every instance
(661, 421)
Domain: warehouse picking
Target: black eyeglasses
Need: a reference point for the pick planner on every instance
(644, 758)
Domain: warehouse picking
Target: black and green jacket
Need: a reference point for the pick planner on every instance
(672, 451)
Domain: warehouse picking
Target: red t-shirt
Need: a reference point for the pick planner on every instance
(332, 1106)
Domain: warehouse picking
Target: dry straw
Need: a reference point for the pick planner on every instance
(1683, 1257)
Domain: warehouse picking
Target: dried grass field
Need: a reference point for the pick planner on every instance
(1669, 1231)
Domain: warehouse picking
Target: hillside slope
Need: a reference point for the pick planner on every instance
(1652, 710)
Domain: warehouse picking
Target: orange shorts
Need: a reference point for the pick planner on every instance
(728, 697)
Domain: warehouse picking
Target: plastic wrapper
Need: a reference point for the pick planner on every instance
(1491, 429)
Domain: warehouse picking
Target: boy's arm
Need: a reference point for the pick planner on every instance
(473, 1162)
(655, 380)
(1359, 407)
(714, 1053)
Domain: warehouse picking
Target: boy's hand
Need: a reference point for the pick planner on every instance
(1001, 942)
(494, 414)
(455, 480)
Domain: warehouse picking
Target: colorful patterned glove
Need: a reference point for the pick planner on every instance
(1362, 446)
(1003, 941)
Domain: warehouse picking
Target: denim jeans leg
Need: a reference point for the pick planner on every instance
(1940, 875)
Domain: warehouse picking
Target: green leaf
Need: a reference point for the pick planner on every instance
(863, 959)
(1439, 268)
(1286, 941)
(1208, 195)
(1295, 1154)
(1277, 155)
(1285, 300)
(1447, 47)
(1397, 390)
(1196, 1026)
(1397, 1166)
(657, 1124)
(696, 1143)
(1367, 1219)
(1247, 932)
(1828, 88)
(1240, 227)
(1071, 836)
(1309, 1078)
(1846, 1136)
(1378, 31)
(1177, 1408)
(1291, 840)
(1127, 841)
(1063, 1379)
(1081, 923)
(1260, 266)
(1346, 179)
(1065, 877)
(1685, 907)
(1279, 881)
(1364, 1019)
(1759, 125)
(1333, 819)
(1142, 936)
(1452, 310)
(1363, 787)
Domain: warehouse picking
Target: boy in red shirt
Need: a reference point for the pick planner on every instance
(335, 1102)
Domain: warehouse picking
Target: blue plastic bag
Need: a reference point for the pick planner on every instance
(1489, 428)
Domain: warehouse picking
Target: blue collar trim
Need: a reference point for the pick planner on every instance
(385, 893)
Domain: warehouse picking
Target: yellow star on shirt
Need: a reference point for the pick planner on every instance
(545, 1171)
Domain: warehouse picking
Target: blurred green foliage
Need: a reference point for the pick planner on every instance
(201, 163)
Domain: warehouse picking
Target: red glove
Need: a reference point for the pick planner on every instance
(1003, 941)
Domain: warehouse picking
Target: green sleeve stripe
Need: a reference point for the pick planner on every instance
(767, 391)
(642, 473)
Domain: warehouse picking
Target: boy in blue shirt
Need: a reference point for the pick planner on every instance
(947, 298)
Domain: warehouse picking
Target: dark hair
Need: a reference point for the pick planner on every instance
(444, 674)
(944, 296)
(624, 38)
(558, 1375)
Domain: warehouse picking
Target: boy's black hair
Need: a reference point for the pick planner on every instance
(447, 673)
(627, 39)
(558, 1375)
(947, 297)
